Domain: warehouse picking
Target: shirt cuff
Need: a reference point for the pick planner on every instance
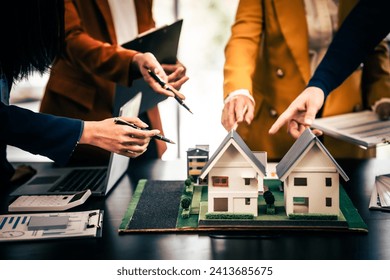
(244, 92)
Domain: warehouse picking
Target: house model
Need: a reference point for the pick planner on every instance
(311, 177)
(196, 159)
(235, 177)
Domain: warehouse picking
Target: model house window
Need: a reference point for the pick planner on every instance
(247, 181)
(220, 181)
(247, 201)
(301, 201)
(300, 181)
(328, 202)
(328, 182)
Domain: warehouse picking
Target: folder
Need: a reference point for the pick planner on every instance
(163, 43)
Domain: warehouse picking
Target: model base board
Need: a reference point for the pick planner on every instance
(155, 207)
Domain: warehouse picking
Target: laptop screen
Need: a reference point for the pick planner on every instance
(118, 163)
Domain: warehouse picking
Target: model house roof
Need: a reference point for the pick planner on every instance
(298, 150)
(234, 139)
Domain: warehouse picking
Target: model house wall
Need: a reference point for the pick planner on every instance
(235, 175)
(311, 177)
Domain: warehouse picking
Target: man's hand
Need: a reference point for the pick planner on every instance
(238, 109)
(301, 113)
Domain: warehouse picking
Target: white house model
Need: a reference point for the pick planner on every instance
(235, 176)
(311, 177)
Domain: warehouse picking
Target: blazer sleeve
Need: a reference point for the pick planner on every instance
(242, 48)
(47, 135)
(362, 30)
(109, 61)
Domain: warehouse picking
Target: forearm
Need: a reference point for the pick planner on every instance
(101, 58)
(50, 136)
(242, 49)
(362, 30)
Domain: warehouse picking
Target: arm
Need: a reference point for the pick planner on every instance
(109, 61)
(50, 136)
(56, 137)
(362, 30)
(241, 53)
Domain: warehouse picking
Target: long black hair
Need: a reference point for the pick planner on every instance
(31, 36)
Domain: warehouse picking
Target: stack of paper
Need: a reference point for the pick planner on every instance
(361, 128)
(380, 197)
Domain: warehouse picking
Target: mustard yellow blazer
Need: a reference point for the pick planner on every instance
(268, 54)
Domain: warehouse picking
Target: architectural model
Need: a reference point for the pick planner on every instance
(311, 177)
(196, 159)
(235, 176)
(233, 192)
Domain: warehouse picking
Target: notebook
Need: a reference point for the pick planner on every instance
(69, 180)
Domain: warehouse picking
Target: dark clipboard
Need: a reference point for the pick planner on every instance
(162, 42)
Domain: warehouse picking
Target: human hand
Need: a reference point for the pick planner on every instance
(383, 110)
(176, 74)
(301, 113)
(238, 109)
(120, 139)
(144, 61)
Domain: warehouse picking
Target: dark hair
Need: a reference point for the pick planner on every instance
(32, 34)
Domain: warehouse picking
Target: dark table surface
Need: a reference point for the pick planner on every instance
(272, 246)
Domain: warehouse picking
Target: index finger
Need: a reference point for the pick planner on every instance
(281, 121)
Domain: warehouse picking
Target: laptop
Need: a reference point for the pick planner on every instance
(70, 180)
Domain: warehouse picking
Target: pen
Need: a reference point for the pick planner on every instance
(167, 87)
(158, 136)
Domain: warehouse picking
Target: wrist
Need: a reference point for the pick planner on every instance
(86, 135)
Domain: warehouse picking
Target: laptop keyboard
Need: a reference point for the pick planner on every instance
(81, 179)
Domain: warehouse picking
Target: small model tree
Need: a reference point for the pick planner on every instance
(189, 183)
(269, 200)
(185, 204)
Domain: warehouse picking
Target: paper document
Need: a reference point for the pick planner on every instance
(51, 225)
(362, 128)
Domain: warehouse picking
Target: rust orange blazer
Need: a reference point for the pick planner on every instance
(268, 54)
(82, 83)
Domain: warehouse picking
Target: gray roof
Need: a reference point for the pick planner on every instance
(197, 151)
(236, 137)
(300, 146)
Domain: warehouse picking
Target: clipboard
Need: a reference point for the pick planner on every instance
(162, 42)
